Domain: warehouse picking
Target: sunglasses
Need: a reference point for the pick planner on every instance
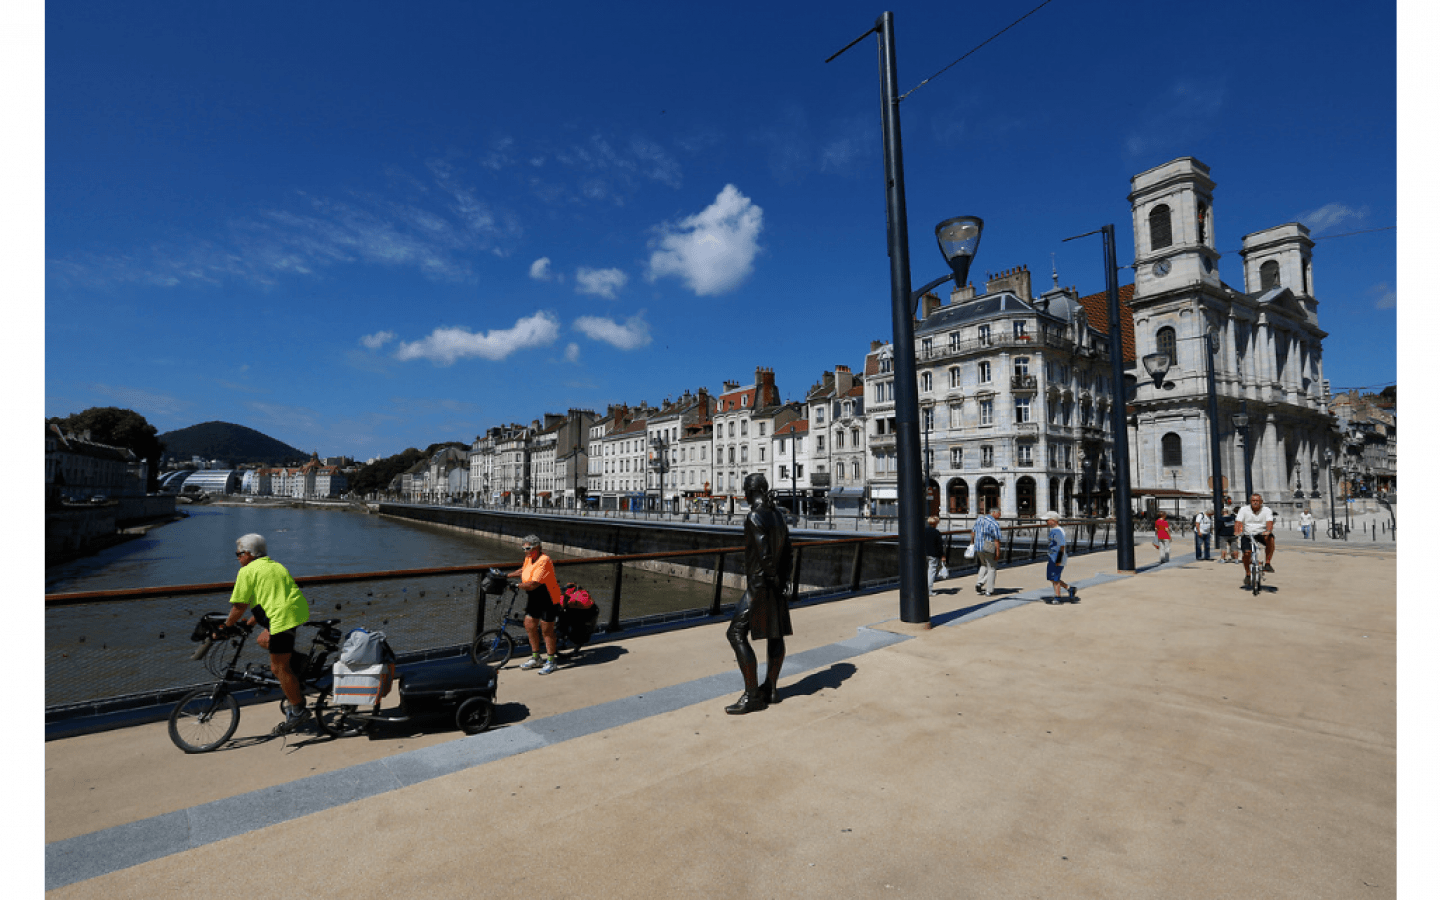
(527, 548)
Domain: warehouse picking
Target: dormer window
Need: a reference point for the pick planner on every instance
(1160, 227)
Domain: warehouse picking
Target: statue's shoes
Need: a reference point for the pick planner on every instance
(746, 704)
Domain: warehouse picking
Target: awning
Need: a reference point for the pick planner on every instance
(846, 493)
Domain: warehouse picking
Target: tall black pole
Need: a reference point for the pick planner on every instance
(1245, 449)
(1124, 527)
(914, 599)
(1217, 496)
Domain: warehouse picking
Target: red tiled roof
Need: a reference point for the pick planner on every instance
(791, 427)
(732, 400)
(1097, 312)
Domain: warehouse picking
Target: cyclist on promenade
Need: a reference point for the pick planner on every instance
(542, 604)
(1257, 521)
(265, 586)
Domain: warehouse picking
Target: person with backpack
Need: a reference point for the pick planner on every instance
(542, 604)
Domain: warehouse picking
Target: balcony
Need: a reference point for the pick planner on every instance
(1027, 427)
(1022, 383)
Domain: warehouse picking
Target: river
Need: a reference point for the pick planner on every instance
(316, 541)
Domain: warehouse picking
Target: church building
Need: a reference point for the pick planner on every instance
(1267, 359)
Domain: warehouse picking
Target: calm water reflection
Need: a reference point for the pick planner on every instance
(201, 549)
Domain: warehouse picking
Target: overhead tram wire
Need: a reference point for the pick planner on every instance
(973, 50)
(1323, 237)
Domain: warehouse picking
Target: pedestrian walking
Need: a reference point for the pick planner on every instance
(1225, 525)
(1056, 560)
(1162, 536)
(986, 539)
(934, 554)
(1202, 534)
(1307, 524)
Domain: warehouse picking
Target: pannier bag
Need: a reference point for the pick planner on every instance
(494, 582)
(365, 669)
(576, 597)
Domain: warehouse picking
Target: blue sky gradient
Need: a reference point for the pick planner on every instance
(364, 227)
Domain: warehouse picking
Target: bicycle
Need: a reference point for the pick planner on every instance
(1256, 550)
(495, 646)
(207, 717)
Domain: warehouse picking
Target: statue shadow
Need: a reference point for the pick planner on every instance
(816, 682)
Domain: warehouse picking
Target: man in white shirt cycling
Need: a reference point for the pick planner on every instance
(1257, 521)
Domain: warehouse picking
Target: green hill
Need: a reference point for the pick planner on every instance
(235, 444)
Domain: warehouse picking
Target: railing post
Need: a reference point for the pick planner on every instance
(1010, 548)
(855, 566)
(1034, 543)
(795, 575)
(480, 604)
(719, 584)
(614, 624)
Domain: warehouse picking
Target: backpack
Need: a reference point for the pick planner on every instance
(576, 597)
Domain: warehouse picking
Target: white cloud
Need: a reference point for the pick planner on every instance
(1331, 215)
(1383, 295)
(600, 282)
(378, 339)
(445, 345)
(632, 335)
(540, 269)
(714, 250)
(572, 352)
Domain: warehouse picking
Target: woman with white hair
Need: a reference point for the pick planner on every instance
(266, 587)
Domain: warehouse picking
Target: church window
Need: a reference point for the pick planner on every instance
(1269, 274)
(1170, 452)
(1201, 212)
(1160, 227)
(1165, 343)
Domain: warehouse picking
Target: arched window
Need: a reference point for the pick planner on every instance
(1269, 274)
(1171, 455)
(1160, 227)
(1165, 343)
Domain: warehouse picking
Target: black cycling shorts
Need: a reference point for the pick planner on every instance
(284, 642)
(539, 606)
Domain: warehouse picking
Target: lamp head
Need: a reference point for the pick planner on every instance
(1240, 419)
(959, 240)
(1157, 364)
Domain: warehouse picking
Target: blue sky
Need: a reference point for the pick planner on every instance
(364, 227)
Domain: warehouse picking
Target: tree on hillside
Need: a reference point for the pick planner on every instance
(1389, 394)
(118, 428)
(377, 475)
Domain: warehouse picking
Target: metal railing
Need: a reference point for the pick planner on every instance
(115, 650)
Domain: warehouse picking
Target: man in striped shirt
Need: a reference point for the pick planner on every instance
(986, 536)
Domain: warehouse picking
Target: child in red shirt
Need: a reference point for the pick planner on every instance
(1162, 537)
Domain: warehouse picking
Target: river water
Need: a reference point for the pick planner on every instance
(313, 541)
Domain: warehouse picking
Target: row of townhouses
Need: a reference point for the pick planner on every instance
(1016, 398)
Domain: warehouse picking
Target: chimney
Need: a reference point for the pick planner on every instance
(928, 304)
(1016, 281)
(961, 294)
(876, 345)
(844, 380)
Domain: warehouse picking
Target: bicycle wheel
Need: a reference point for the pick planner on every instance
(493, 647)
(201, 721)
(474, 714)
(336, 721)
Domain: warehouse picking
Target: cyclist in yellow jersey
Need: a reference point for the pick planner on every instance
(266, 587)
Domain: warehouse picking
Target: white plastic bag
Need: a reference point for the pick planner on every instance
(970, 551)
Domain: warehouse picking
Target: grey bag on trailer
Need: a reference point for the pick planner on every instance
(364, 648)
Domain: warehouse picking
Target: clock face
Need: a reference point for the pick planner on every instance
(1162, 268)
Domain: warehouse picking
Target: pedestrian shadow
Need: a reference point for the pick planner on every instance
(816, 682)
(592, 656)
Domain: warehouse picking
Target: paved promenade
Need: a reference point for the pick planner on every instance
(1169, 736)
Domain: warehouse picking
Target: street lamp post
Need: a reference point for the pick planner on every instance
(959, 238)
(1330, 468)
(1241, 420)
(1124, 524)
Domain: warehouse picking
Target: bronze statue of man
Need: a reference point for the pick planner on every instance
(763, 611)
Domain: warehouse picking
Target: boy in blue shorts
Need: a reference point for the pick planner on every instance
(1056, 563)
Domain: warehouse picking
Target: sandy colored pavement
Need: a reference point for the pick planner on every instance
(1169, 736)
